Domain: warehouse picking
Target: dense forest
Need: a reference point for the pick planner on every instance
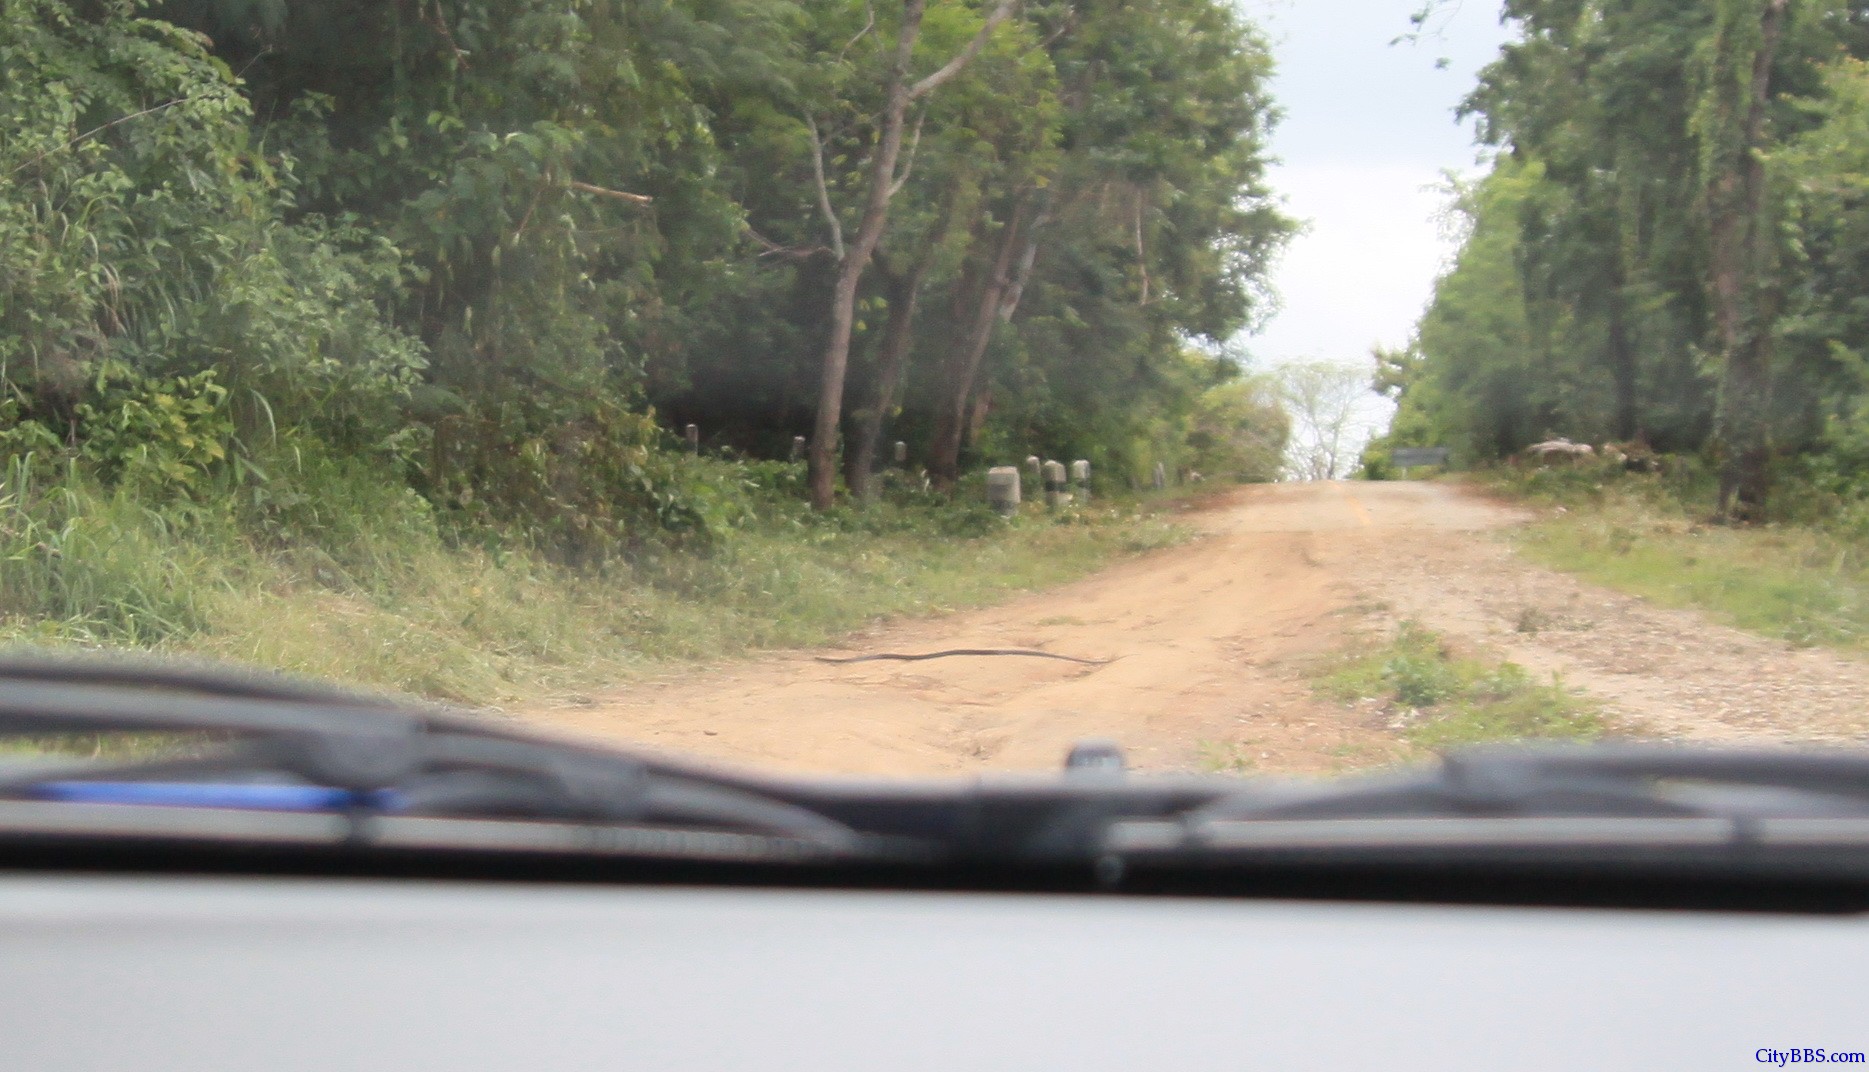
(1670, 250)
(275, 256)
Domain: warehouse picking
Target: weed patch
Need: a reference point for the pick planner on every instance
(1219, 757)
(1441, 699)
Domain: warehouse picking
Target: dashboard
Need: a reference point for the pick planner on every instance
(262, 974)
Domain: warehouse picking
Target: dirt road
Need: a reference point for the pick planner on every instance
(1209, 647)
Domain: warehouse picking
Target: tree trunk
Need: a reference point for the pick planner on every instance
(836, 361)
(1742, 302)
(904, 293)
(853, 260)
(997, 299)
(1622, 369)
(976, 424)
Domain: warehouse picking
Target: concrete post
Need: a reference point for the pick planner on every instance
(1161, 477)
(902, 453)
(692, 434)
(1057, 489)
(1080, 479)
(1038, 474)
(798, 447)
(1002, 489)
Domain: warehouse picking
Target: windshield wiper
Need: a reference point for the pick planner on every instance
(1612, 806)
(265, 759)
(262, 744)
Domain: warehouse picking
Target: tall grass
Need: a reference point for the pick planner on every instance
(82, 565)
(344, 577)
(1803, 581)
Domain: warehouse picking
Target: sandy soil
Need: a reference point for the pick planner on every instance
(1210, 646)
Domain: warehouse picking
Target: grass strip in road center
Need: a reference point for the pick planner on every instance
(1436, 697)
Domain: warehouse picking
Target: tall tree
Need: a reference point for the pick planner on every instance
(853, 257)
(1652, 153)
(1733, 128)
(1156, 225)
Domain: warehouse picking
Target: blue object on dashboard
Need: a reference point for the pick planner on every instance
(216, 795)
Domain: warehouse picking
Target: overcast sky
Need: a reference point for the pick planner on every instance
(1368, 127)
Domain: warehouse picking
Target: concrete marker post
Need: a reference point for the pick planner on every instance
(902, 453)
(1080, 479)
(1002, 489)
(692, 434)
(1057, 488)
(798, 447)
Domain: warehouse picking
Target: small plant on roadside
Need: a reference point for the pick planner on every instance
(1440, 699)
(1419, 672)
(1227, 757)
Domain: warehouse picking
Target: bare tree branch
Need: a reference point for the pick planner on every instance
(1321, 398)
(1142, 255)
(908, 165)
(769, 248)
(824, 190)
(620, 195)
(861, 34)
(964, 56)
(439, 24)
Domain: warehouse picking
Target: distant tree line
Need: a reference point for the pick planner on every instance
(1671, 247)
(498, 249)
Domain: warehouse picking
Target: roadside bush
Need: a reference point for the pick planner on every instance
(583, 489)
(298, 497)
(159, 436)
(156, 282)
(1376, 464)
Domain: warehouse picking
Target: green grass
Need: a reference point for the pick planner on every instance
(1222, 757)
(1797, 582)
(388, 603)
(1444, 699)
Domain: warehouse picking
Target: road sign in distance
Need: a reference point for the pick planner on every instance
(1408, 457)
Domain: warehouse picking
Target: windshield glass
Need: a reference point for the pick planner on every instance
(926, 387)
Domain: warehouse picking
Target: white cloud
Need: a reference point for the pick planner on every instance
(1368, 128)
(1364, 269)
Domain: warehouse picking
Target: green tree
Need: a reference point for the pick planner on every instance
(1657, 245)
(901, 88)
(145, 241)
(1156, 226)
(1239, 431)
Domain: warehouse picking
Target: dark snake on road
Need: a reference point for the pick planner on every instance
(899, 657)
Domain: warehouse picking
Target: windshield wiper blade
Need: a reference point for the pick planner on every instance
(202, 679)
(380, 759)
(1834, 771)
(1549, 781)
(1607, 805)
